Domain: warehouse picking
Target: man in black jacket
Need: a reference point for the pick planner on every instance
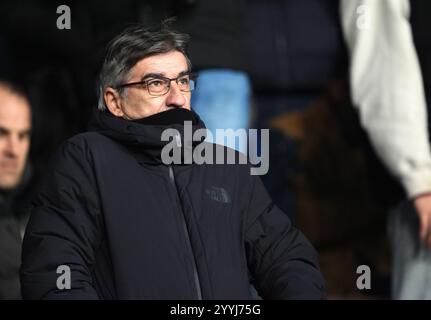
(15, 126)
(114, 220)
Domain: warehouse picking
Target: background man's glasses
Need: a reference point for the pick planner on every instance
(160, 86)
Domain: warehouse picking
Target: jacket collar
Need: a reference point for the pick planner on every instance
(144, 136)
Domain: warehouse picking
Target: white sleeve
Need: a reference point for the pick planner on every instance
(387, 87)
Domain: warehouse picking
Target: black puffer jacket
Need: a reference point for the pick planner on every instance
(130, 227)
(14, 211)
(10, 251)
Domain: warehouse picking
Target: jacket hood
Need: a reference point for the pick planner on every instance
(144, 136)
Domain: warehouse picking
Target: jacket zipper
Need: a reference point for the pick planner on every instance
(187, 235)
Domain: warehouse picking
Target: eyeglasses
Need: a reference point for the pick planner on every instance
(160, 86)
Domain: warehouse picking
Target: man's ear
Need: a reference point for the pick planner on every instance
(113, 101)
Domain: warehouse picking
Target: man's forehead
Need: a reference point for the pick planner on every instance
(166, 64)
(8, 96)
(14, 113)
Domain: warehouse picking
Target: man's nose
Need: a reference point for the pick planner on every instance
(12, 146)
(175, 97)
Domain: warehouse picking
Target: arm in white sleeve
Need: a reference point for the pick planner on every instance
(387, 87)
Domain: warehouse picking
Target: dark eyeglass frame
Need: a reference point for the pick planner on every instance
(144, 83)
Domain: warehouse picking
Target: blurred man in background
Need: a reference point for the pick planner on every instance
(15, 126)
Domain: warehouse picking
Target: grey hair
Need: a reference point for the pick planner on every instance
(131, 46)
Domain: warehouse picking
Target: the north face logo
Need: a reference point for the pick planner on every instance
(218, 194)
